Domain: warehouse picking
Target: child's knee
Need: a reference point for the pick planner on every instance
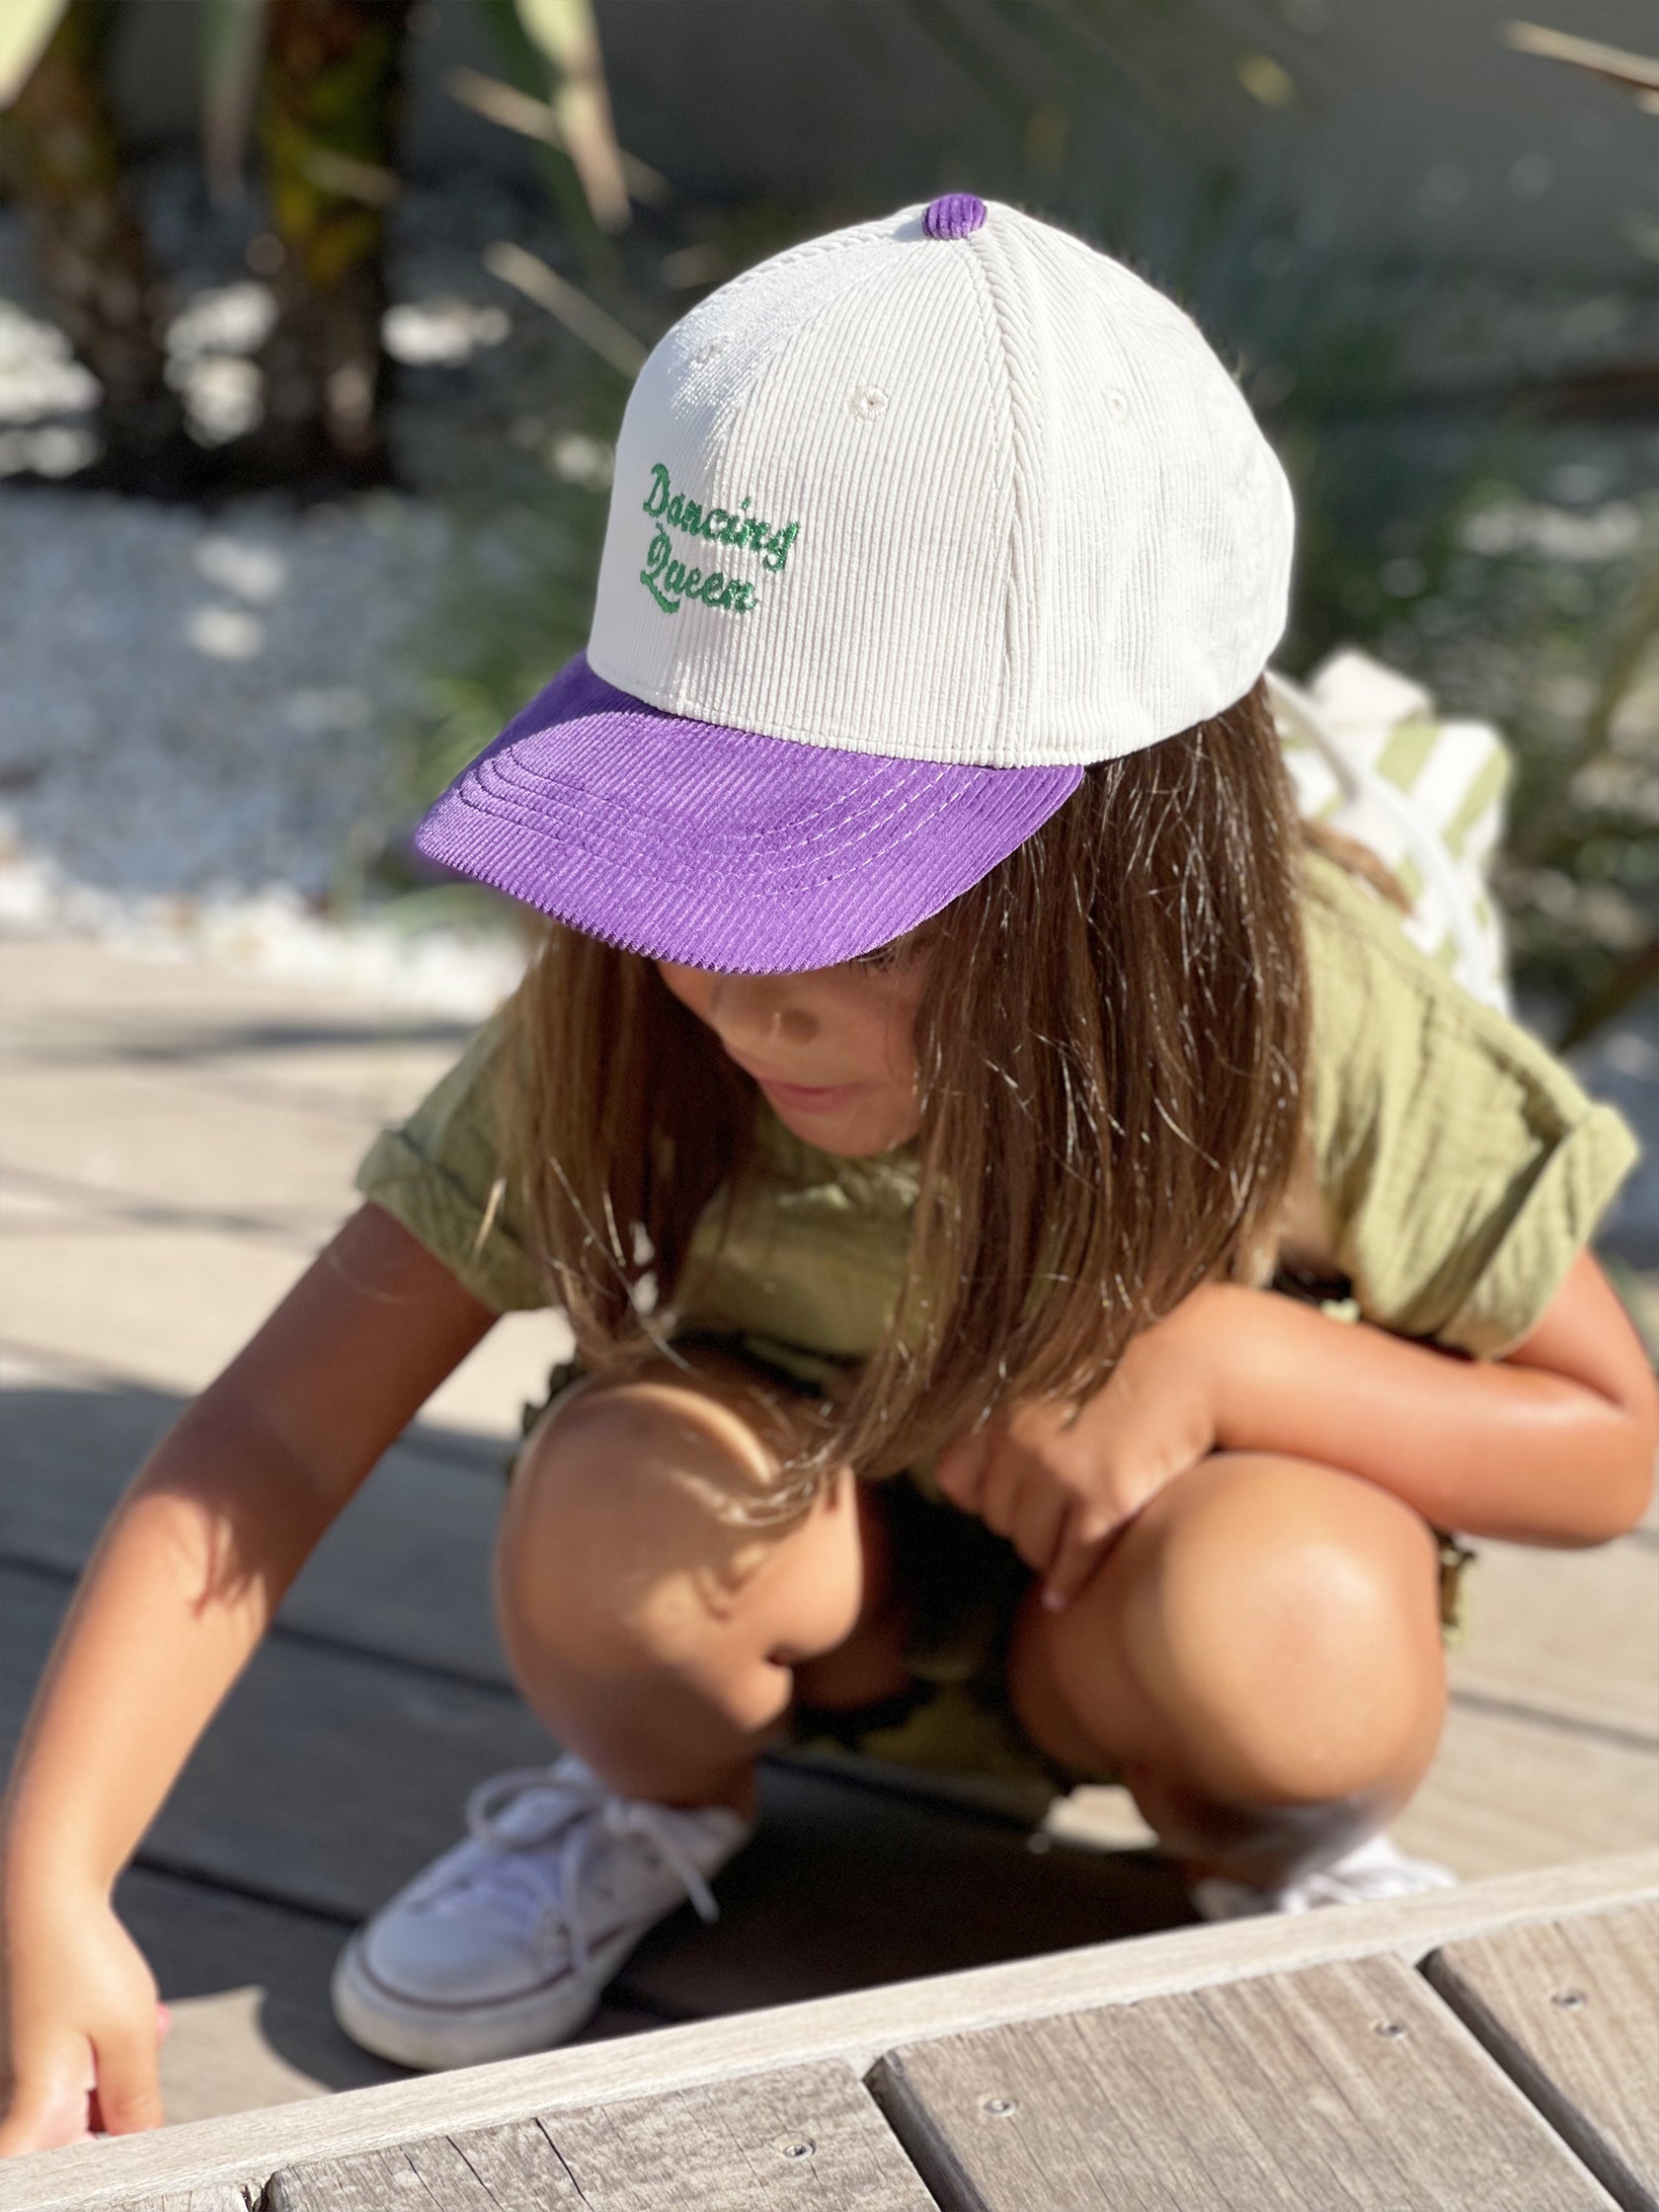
(1282, 1620)
(640, 1529)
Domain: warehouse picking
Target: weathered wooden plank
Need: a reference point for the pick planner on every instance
(59, 988)
(936, 1891)
(1505, 1793)
(1574, 1635)
(141, 1294)
(855, 2029)
(326, 1779)
(1346, 2085)
(69, 1004)
(1570, 2009)
(405, 1571)
(248, 1984)
(154, 1323)
(517, 2168)
(429, 2176)
(262, 1164)
(804, 2135)
(189, 2200)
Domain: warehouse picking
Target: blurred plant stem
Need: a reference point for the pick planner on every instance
(63, 158)
(526, 64)
(1620, 677)
(328, 125)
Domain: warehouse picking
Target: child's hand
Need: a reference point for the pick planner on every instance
(79, 2031)
(1059, 1488)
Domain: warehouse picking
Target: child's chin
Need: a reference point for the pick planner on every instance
(851, 1133)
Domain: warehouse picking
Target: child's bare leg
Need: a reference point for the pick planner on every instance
(1260, 1653)
(648, 1621)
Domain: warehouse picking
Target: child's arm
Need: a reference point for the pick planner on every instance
(1553, 1445)
(183, 1584)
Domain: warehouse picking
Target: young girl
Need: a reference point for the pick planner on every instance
(947, 1089)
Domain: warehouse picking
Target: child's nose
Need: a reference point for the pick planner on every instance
(763, 1009)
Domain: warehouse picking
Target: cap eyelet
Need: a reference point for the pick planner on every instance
(1117, 406)
(866, 401)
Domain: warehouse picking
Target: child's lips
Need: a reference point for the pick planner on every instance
(806, 1098)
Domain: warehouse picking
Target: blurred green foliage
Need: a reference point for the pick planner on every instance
(1544, 618)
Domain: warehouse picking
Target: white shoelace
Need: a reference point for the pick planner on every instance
(580, 1815)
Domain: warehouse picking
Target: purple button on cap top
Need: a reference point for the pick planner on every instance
(957, 216)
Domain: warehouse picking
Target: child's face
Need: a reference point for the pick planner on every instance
(831, 1046)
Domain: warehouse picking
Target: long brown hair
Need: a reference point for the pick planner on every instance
(1110, 1046)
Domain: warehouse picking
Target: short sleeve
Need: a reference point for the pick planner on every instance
(1461, 1167)
(439, 1174)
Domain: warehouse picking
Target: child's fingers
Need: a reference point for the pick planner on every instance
(128, 2091)
(1081, 1545)
(1039, 1523)
(1004, 1486)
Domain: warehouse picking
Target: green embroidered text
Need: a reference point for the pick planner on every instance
(671, 582)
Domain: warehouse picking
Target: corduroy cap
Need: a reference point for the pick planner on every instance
(910, 523)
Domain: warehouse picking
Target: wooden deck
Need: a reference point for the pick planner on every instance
(173, 1145)
(1489, 2049)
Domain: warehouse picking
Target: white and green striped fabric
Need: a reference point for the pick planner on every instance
(1368, 754)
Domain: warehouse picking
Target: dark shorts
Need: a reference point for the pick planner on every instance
(963, 1584)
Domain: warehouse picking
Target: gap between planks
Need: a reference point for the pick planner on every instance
(246, 2149)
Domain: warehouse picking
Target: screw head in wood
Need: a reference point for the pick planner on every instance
(1390, 2030)
(999, 2107)
(1569, 2000)
(796, 2147)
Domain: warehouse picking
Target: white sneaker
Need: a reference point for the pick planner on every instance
(503, 1946)
(1373, 1869)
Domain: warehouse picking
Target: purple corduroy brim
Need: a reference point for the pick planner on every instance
(718, 848)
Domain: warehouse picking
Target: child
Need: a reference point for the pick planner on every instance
(948, 1085)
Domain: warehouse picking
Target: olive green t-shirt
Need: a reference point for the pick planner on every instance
(1457, 1167)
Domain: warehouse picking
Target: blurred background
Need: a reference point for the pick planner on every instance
(317, 318)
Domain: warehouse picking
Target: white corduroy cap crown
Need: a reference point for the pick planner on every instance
(909, 524)
(1018, 513)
